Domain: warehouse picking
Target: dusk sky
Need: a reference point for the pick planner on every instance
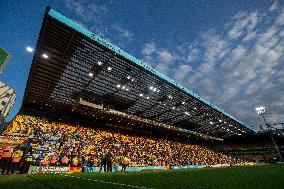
(229, 52)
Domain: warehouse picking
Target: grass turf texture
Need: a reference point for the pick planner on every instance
(262, 176)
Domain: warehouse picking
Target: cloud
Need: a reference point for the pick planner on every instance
(274, 6)
(96, 18)
(149, 48)
(124, 33)
(86, 11)
(237, 68)
(182, 72)
(243, 24)
(159, 58)
(165, 56)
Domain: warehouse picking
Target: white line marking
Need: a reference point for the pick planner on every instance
(107, 182)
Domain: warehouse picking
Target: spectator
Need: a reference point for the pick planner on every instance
(6, 159)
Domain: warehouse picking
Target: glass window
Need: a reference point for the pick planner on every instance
(3, 103)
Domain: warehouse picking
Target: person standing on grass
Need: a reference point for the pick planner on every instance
(125, 163)
(109, 161)
(1, 152)
(16, 160)
(6, 159)
(28, 159)
(103, 161)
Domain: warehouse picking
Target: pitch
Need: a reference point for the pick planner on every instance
(261, 176)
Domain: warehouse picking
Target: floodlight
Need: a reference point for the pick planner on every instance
(211, 122)
(140, 94)
(91, 74)
(45, 56)
(183, 102)
(260, 110)
(109, 68)
(118, 86)
(100, 63)
(29, 49)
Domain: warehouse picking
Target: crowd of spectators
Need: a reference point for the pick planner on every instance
(56, 143)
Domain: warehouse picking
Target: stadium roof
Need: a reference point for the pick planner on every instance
(73, 67)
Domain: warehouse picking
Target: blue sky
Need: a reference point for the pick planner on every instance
(229, 52)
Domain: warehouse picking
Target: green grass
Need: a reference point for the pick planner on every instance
(265, 176)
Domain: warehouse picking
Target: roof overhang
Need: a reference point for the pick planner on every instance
(83, 66)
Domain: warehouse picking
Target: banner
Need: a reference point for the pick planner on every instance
(129, 169)
(12, 139)
(188, 167)
(47, 169)
(75, 169)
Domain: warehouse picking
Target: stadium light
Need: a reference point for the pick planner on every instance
(100, 63)
(45, 56)
(123, 87)
(141, 94)
(91, 74)
(148, 97)
(174, 108)
(220, 120)
(109, 68)
(211, 122)
(151, 87)
(260, 110)
(183, 102)
(118, 86)
(29, 49)
(155, 89)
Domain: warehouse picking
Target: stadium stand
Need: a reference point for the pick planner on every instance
(51, 142)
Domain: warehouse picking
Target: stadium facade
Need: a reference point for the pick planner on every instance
(7, 99)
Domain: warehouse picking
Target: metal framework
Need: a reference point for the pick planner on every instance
(82, 66)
